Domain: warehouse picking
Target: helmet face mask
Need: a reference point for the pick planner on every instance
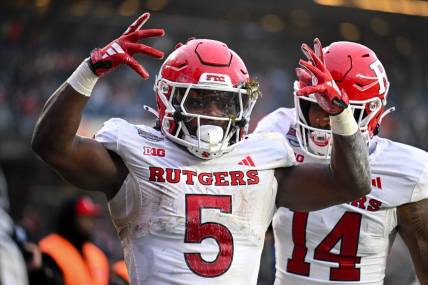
(204, 103)
(358, 72)
(317, 142)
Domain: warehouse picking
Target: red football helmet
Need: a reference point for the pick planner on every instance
(358, 72)
(204, 97)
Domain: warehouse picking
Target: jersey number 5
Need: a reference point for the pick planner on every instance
(347, 231)
(196, 232)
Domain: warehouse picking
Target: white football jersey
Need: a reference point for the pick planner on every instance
(347, 243)
(183, 220)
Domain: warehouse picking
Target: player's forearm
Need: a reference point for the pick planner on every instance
(350, 166)
(57, 125)
(346, 178)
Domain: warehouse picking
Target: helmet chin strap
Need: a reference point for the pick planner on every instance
(151, 110)
(382, 116)
(389, 110)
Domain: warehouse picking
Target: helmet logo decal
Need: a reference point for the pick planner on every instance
(213, 78)
(381, 76)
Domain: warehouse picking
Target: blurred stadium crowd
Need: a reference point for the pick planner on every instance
(42, 41)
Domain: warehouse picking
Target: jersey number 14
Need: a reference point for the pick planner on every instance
(347, 231)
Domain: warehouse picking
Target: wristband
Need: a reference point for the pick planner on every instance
(344, 124)
(83, 79)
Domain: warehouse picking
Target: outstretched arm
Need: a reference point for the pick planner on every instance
(413, 228)
(314, 186)
(85, 162)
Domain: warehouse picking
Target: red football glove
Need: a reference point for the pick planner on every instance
(304, 79)
(122, 49)
(327, 94)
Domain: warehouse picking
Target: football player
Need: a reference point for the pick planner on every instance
(349, 243)
(192, 198)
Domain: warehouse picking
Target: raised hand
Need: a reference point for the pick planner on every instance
(122, 49)
(304, 79)
(329, 97)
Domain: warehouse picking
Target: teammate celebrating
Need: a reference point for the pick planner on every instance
(192, 198)
(349, 243)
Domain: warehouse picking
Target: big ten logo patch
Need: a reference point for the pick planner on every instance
(154, 151)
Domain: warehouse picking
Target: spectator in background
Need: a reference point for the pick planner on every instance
(68, 255)
(12, 265)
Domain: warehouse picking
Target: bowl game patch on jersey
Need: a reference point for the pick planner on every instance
(149, 136)
(292, 138)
